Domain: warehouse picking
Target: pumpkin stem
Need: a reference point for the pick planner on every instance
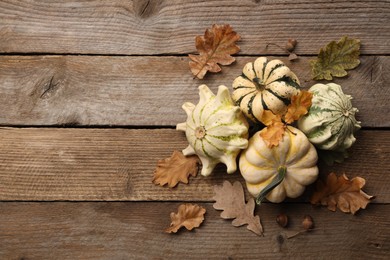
(200, 132)
(275, 182)
(258, 83)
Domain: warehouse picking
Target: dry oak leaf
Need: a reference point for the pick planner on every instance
(176, 168)
(335, 58)
(341, 192)
(188, 215)
(214, 48)
(268, 117)
(273, 133)
(299, 106)
(231, 199)
(277, 124)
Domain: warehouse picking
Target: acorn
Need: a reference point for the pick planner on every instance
(282, 220)
(290, 45)
(308, 222)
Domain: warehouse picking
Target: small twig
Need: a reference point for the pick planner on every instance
(271, 43)
(300, 232)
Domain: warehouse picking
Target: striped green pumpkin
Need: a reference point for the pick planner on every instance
(330, 123)
(264, 85)
(215, 128)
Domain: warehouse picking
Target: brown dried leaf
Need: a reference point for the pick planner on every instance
(214, 48)
(174, 169)
(298, 107)
(189, 216)
(231, 199)
(342, 193)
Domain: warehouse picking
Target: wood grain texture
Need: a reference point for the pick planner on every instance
(100, 90)
(45, 164)
(169, 27)
(134, 72)
(136, 231)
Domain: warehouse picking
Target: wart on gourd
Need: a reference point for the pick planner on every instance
(215, 128)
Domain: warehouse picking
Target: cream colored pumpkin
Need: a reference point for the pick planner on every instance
(295, 157)
(264, 85)
(330, 123)
(216, 129)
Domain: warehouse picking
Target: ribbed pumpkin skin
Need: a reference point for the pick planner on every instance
(264, 85)
(216, 129)
(330, 123)
(259, 164)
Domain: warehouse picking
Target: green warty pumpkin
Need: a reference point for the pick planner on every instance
(330, 123)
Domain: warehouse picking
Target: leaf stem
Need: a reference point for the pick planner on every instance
(288, 129)
(275, 182)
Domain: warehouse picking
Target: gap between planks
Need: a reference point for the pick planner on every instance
(153, 27)
(50, 164)
(167, 55)
(119, 230)
(71, 90)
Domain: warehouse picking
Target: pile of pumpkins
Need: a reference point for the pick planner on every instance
(217, 129)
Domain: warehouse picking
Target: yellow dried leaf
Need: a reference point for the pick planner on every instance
(335, 58)
(298, 107)
(215, 47)
(176, 168)
(268, 117)
(273, 133)
(342, 193)
(231, 199)
(189, 216)
(276, 127)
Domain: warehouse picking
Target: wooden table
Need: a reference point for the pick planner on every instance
(91, 91)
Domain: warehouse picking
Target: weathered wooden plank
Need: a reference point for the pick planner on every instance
(156, 27)
(47, 164)
(51, 90)
(136, 231)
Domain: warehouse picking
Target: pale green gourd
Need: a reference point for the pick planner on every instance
(330, 123)
(281, 171)
(216, 129)
(264, 85)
